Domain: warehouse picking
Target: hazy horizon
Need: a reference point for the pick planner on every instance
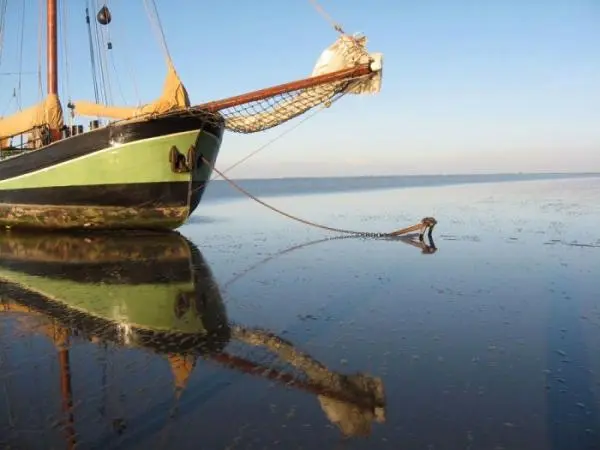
(254, 170)
(217, 177)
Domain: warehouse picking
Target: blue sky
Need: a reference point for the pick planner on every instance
(469, 86)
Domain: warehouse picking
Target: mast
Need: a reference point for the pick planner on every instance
(52, 56)
(61, 340)
(67, 396)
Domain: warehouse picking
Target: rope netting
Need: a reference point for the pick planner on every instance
(261, 115)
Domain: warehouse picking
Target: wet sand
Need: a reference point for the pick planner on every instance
(256, 332)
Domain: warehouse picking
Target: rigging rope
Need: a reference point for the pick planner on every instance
(162, 31)
(63, 22)
(114, 66)
(21, 43)
(3, 4)
(157, 27)
(92, 56)
(95, 46)
(40, 44)
(128, 61)
(279, 136)
(102, 60)
(108, 48)
(427, 223)
(336, 26)
(285, 132)
(65, 84)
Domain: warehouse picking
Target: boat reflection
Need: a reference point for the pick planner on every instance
(127, 288)
(151, 292)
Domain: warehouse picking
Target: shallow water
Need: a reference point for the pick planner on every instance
(490, 342)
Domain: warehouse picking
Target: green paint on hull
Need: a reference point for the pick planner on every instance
(144, 161)
(149, 307)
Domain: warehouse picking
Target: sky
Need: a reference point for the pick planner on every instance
(468, 86)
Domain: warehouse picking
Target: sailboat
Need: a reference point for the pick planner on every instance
(147, 167)
(123, 292)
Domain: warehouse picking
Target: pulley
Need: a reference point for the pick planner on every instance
(104, 17)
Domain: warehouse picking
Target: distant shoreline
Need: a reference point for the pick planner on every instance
(219, 189)
(490, 174)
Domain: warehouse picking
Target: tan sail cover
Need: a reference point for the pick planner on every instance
(48, 112)
(346, 52)
(351, 419)
(182, 367)
(174, 96)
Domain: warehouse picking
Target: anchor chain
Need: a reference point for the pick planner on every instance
(426, 224)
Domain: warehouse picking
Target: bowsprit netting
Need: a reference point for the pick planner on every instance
(345, 67)
(264, 114)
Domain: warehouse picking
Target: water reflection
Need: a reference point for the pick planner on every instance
(146, 292)
(426, 245)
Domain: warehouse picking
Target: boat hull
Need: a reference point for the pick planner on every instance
(117, 177)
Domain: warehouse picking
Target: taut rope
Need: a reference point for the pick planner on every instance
(426, 224)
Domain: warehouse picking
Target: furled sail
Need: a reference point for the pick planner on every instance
(47, 112)
(348, 51)
(174, 96)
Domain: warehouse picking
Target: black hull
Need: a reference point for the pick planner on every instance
(134, 182)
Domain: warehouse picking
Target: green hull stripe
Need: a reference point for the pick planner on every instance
(144, 161)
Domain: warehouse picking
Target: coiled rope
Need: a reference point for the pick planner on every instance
(426, 224)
